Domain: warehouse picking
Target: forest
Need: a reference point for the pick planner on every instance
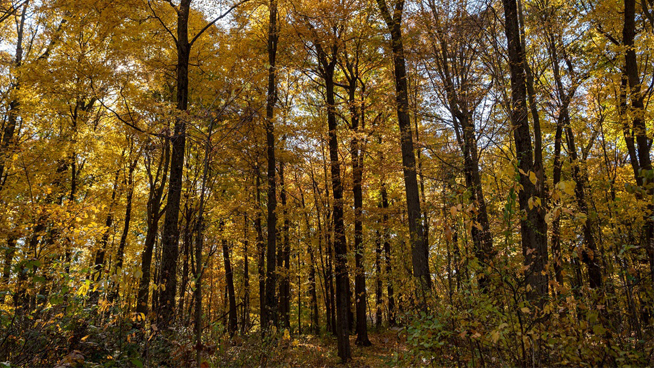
(324, 183)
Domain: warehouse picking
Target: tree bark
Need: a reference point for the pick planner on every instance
(233, 318)
(534, 242)
(153, 214)
(170, 237)
(261, 266)
(420, 249)
(14, 104)
(643, 163)
(270, 312)
(128, 217)
(283, 259)
(340, 246)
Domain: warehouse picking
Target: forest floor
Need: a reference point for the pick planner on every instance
(321, 351)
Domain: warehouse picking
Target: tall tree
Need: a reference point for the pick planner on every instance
(419, 247)
(270, 312)
(534, 242)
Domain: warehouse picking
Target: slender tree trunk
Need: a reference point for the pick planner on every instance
(326, 265)
(261, 266)
(187, 240)
(14, 104)
(233, 318)
(270, 311)
(246, 277)
(10, 251)
(313, 296)
(340, 246)
(283, 260)
(387, 256)
(357, 191)
(590, 254)
(556, 223)
(123, 238)
(153, 215)
(99, 263)
(379, 293)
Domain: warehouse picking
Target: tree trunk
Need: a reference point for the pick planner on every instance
(98, 264)
(283, 260)
(14, 104)
(638, 126)
(261, 267)
(270, 312)
(387, 256)
(313, 296)
(232, 319)
(340, 246)
(534, 242)
(170, 238)
(123, 238)
(420, 249)
(153, 215)
(246, 277)
(357, 191)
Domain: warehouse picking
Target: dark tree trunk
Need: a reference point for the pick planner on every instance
(283, 259)
(99, 263)
(14, 104)
(232, 319)
(326, 265)
(340, 246)
(187, 240)
(128, 217)
(387, 256)
(534, 242)
(357, 179)
(10, 251)
(638, 126)
(246, 277)
(313, 296)
(420, 249)
(153, 215)
(379, 293)
(170, 237)
(270, 311)
(590, 255)
(556, 223)
(261, 267)
(462, 114)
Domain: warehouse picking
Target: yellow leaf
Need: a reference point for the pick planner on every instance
(495, 335)
(532, 177)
